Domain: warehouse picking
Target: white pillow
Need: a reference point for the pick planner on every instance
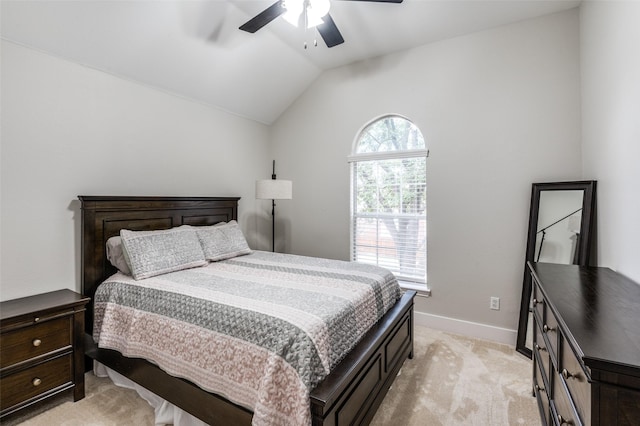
(224, 241)
(151, 253)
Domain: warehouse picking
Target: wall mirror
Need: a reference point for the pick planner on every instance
(561, 228)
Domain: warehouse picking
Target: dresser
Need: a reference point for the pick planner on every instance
(41, 349)
(586, 345)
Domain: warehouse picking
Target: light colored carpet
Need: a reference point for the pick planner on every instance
(452, 380)
(456, 380)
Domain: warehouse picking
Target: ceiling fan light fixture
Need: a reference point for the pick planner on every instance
(311, 11)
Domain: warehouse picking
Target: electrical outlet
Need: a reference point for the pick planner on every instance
(494, 303)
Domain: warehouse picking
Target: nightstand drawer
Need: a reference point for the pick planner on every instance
(29, 342)
(25, 384)
(42, 349)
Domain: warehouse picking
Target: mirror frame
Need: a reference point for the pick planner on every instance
(587, 228)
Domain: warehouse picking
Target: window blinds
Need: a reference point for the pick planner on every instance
(389, 215)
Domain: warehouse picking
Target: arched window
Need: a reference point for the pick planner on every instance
(388, 198)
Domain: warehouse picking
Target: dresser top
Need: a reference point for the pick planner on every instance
(40, 303)
(601, 311)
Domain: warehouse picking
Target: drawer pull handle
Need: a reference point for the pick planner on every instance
(547, 329)
(566, 374)
(539, 388)
(536, 302)
(564, 421)
(36, 319)
(36, 381)
(540, 348)
(36, 342)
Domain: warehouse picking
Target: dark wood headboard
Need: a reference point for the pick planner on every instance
(104, 216)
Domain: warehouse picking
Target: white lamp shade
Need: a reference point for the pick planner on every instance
(274, 189)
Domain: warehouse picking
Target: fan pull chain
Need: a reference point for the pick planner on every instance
(315, 43)
(305, 26)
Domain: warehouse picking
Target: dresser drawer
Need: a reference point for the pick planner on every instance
(540, 347)
(550, 331)
(564, 413)
(29, 342)
(26, 384)
(537, 301)
(540, 391)
(576, 381)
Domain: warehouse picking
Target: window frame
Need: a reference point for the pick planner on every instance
(356, 157)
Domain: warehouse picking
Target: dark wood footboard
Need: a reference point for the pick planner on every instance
(352, 393)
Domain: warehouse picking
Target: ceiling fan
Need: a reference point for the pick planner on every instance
(307, 13)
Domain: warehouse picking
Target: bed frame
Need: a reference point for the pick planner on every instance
(351, 394)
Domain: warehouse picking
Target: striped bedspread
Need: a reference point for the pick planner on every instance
(262, 330)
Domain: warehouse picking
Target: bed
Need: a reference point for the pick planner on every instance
(350, 394)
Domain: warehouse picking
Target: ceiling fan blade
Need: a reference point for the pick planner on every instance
(263, 18)
(380, 1)
(329, 31)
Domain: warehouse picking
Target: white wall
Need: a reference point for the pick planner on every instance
(610, 63)
(69, 130)
(499, 109)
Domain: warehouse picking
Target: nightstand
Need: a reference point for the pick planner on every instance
(41, 349)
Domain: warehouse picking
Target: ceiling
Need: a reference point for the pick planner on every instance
(193, 48)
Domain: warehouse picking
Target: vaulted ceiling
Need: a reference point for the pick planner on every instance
(193, 48)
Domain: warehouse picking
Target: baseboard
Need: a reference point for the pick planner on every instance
(466, 328)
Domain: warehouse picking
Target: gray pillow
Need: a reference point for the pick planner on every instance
(115, 255)
(151, 253)
(224, 241)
